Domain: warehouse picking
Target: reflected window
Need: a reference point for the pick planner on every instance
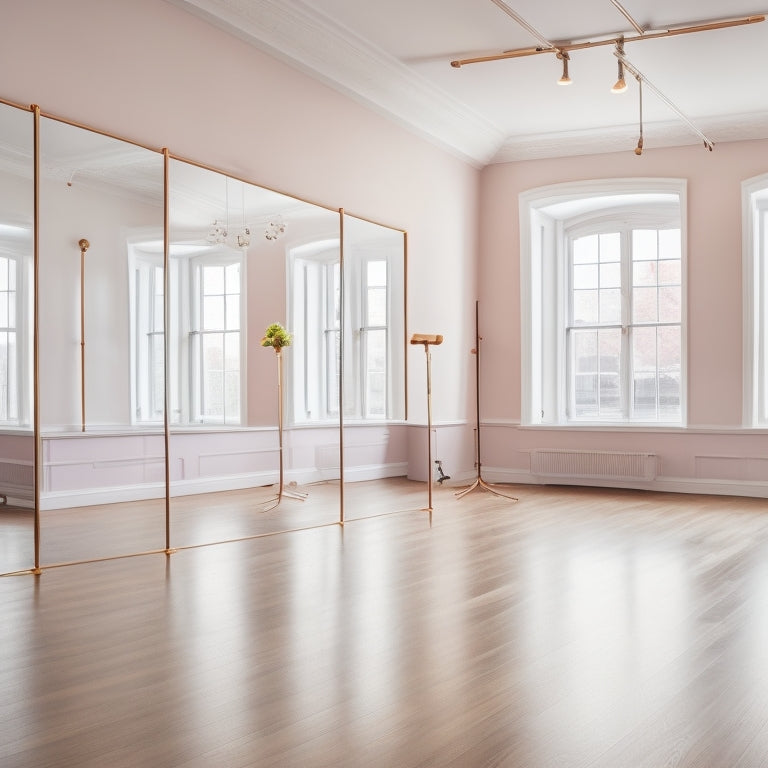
(148, 338)
(15, 307)
(206, 359)
(215, 348)
(370, 363)
(603, 303)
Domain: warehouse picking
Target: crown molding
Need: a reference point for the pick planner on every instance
(298, 35)
(595, 141)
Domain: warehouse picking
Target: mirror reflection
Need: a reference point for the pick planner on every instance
(16, 337)
(241, 462)
(101, 338)
(374, 346)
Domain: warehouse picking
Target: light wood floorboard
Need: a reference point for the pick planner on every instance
(576, 628)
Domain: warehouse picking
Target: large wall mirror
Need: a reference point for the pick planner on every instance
(233, 247)
(101, 238)
(16, 337)
(158, 280)
(374, 359)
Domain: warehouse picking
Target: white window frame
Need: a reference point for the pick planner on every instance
(185, 379)
(755, 300)
(141, 278)
(309, 404)
(220, 258)
(22, 328)
(544, 213)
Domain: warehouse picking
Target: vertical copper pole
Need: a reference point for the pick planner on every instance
(405, 320)
(279, 355)
(166, 351)
(429, 425)
(342, 299)
(84, 245)
(37, 470)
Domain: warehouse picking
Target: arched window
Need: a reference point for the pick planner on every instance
(603, 282)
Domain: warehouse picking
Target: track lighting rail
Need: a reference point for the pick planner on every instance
(559, 48)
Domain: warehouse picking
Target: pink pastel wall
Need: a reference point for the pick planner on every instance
(152, 73)
(149, 72)
(714, 296)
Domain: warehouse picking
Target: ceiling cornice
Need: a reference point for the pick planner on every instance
(303, 38)
(624, 138)
(298, 35)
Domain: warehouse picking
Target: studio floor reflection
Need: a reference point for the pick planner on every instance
(115, 530)
(576, 627)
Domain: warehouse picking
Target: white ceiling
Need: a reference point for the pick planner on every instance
(394, 55)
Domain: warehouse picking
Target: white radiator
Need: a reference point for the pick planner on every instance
(597, 465)
(16, 473)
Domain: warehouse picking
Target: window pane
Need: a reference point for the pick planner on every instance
(610, 275)
(233, 312)
(232, 396)
(377, 306)
(585, 373)
(4, 309)
(4, 415)
(610, 306)
(644, 273)
(644, 244)
(645, 305)
(670, 366)
(232, 352)
(670, 272)
(585, 307)
(375, 379)
(4, 266)
(669, 244)
(610, 247)
(644, 387)
(213, 313)
(233, 278)
(669, 305)
(157, 382)
(377, 273)
(213, 280)
(585, 250)
(585, 276)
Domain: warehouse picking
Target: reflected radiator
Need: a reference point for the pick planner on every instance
(597, 465)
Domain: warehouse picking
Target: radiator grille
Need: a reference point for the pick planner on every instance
(16, 473)
(602, 465)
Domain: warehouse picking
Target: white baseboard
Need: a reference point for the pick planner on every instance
(148, 491)
(753, 488)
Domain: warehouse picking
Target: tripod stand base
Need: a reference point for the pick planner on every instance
(480, 483)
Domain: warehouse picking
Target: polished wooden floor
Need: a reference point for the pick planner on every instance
(576, 627)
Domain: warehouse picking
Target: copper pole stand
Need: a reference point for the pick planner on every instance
(479, 482)
(428, 341)
(281, 491)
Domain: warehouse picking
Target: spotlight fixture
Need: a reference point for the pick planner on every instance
(564, 80)
(621, 84)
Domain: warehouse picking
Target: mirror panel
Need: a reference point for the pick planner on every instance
(233, 246)
(101, 339)
(17, 446)
(375, 445)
